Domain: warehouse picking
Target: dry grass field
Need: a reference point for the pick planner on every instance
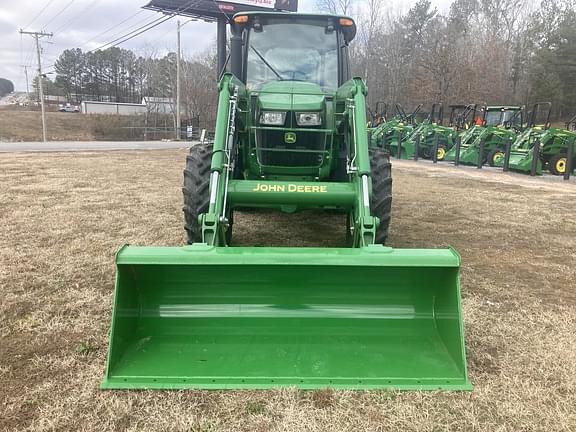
(19, 125)
(62, 217)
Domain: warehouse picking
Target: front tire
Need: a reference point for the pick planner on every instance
(196, 189)
(381, 203)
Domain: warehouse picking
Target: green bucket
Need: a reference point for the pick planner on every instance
(256, 318)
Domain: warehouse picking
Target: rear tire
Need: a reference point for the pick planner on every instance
(196, 189)
(557, 164)
(381, 203)
(441, 152)
(495, 156)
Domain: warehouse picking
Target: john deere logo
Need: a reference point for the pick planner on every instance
(289, 137)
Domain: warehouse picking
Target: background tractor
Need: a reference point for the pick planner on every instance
(462, 116)
(552, 145)
(388, 134)
(290, 136)
(488, 138)
(430, 134)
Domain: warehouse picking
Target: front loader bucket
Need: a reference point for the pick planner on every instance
(216, 318)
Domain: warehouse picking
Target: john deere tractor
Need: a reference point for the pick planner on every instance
(462, 116)
(552, 143)
(290, 136)
(430, 135)
(488, 138)
(388, 134)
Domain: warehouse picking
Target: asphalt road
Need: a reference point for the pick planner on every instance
(71, 146)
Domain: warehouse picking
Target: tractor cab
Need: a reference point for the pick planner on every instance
(292, 67)
(280, 48)
(503, 116)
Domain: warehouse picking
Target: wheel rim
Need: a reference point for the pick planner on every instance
(561, 165)
(440, 153)
(498, 156)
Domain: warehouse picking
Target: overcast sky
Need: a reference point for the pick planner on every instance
(89, 24)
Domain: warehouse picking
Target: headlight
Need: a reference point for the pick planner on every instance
(308, 119)
(272, 118)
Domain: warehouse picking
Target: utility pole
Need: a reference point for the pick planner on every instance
(27, 86)
(178, 125)
(37, 36)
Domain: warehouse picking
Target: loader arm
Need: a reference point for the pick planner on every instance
(358, 164)
(215, 221)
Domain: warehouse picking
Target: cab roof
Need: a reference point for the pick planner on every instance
(303, 16)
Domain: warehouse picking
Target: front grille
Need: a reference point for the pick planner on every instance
(309, 149)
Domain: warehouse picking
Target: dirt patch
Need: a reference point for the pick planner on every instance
(63, 217)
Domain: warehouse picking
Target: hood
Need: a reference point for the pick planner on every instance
(291, 96)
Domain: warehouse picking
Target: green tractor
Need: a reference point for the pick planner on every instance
(378, 115)
(552, 147)
(488, 138)
(290, 136)
(430, 135)
(390, 133)
(462, 117)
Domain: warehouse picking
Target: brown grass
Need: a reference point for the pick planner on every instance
(21, 125)
(62, 217)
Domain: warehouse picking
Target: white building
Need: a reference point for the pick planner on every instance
(95, 107)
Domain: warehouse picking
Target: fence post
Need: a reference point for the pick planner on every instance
(417, 147)
(457, 150)
(398, 146)
(569, 159)
(435, 149)
(507, 151)
(535, 157)
(458, 146)
(480, 161)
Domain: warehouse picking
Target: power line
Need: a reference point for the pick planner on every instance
(115, 26)
(51, 67)
(39, 13)
(154, 24)
(132, 34)
(75, 17)
(128, 29)
(126, 37)
(59, 13)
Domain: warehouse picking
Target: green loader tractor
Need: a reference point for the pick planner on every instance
(378, 115)
(554, 144)
(462, 117)
(389, 134)
(485, 142)
(430, 134)
(290, 136)
(553, 148)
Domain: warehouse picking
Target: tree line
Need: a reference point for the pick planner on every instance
(480, 51)
(119, 75)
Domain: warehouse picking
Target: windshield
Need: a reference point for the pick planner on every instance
(511, 117)
(293, 52)
(501, 117)
(493, 118)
